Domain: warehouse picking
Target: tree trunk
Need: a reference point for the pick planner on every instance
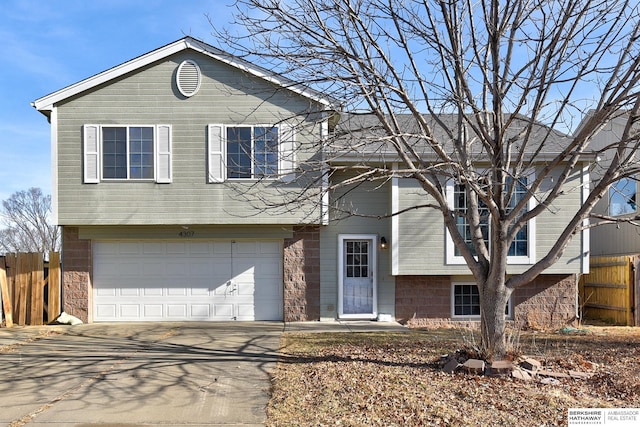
(493, 302)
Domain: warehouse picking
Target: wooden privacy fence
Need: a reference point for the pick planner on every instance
(609, 291)
(30, 290)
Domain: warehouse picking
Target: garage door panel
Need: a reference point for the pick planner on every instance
(130, 292)
(152, 292)
(245, 248)
(222, 290)
(201, 267)
(223, 311)
(187, 280)
(176, 248)
(271, 248)
(152, 248)
(221, 248)
(204, 292)
(106, 311)
(105, 292)
(177, 311)
(177, 292)
(244, 289)
(129, 248)
(153, 311)
(202, 311)
(130, 311)
(245, 312)
(200, 248)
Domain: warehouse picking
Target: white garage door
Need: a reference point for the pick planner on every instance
(187, 280)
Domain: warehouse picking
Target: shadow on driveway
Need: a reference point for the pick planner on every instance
(141, 374)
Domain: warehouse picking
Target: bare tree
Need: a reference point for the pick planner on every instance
(26, 217)
(478, 92)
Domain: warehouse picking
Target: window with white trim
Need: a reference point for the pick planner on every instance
(127, 152)
(622, 197)
(465, 301)
(522, 249)
(238, 152)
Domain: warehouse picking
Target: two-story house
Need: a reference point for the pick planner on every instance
(170, 177)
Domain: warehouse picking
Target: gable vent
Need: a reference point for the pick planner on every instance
(188, 78)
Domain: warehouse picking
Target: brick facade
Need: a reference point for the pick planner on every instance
(547, 302)
(76, 276)
(302, 275)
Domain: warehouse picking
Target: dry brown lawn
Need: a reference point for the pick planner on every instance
(394, 379)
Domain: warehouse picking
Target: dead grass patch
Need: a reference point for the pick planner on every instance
(394, 379)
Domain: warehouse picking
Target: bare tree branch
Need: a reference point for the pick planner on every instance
(26, 217)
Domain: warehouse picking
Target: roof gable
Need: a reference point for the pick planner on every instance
(46, 103)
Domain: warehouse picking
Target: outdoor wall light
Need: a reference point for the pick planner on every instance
(383, 243)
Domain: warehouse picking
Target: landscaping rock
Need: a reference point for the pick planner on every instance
(474, 366)
(451, 366)
(531, 364)
(579, 375)
(552, 374)
(501, 367)
(549, 381)
(521, 374)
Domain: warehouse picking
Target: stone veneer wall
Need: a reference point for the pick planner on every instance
(422, 300)
(425, 301)
(302, 275)
(76, 276)
(548, 302)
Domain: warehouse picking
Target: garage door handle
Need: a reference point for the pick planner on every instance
(231, 287)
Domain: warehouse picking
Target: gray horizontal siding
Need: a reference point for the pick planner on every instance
(422, 239)
(421, 234)
(611, 239)
(150, 97)
(369, 200)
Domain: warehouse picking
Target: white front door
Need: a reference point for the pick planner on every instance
(357, 282)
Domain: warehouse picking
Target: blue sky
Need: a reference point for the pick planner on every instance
(47, 45)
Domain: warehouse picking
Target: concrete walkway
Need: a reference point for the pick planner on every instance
(145, 374)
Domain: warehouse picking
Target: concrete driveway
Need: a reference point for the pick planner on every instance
(138, 374)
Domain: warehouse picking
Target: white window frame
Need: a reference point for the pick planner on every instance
(217, 153)
(508, 314)
(453, 259)
(93, 171)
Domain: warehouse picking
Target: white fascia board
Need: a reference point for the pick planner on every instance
(54, 165)
(46, 103)
(261, 73)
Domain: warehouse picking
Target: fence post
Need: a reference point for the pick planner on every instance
(37, 288)
(54, 286)
(6, 298)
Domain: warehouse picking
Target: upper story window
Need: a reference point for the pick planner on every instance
(238, 152)
(127, 152)
(252, 151)
(460, 205)
(622, 197)
(522, 248)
